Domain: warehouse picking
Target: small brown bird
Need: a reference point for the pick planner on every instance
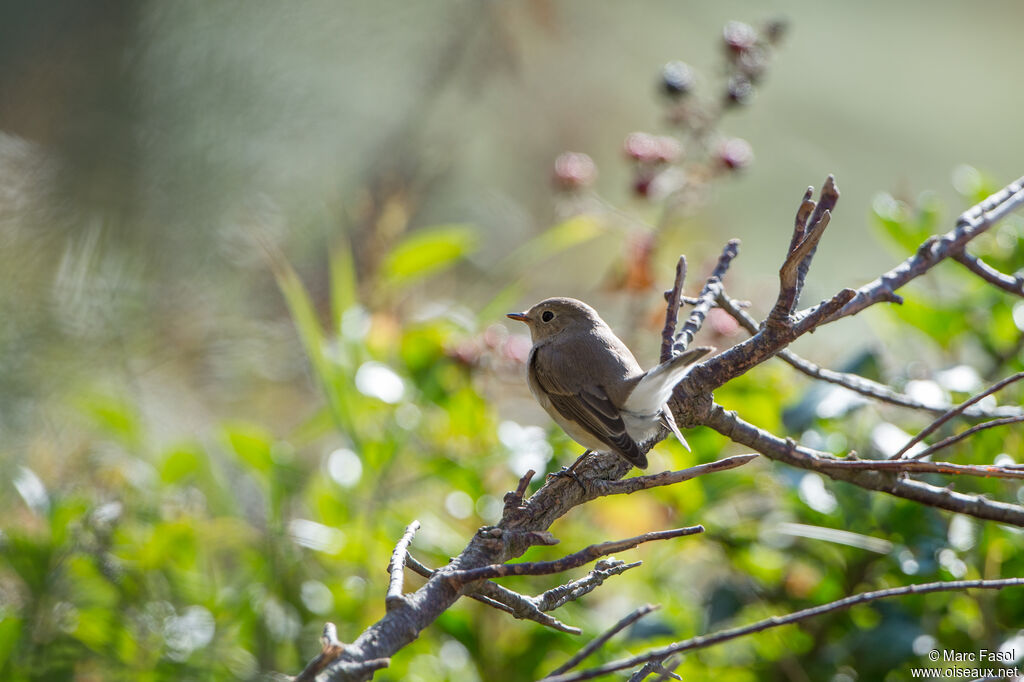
(592, 386)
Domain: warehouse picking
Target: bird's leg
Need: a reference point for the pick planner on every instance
(570, 470)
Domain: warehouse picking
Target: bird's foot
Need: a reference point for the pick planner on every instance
(570, 471)
(566, 472)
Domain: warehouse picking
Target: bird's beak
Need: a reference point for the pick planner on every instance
(518, 316)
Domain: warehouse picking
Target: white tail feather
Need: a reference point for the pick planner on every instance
(645, 407)
(654, 389)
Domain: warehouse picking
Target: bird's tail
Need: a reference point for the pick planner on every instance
(654, 389)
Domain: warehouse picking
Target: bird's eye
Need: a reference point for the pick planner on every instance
(547, 316)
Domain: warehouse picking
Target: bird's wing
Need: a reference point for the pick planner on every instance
(590, 407)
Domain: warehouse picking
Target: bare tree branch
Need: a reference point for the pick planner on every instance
(599, 641)
(673, 300)
(934, 250)
(772, 338)
(705, 641)
(729, 424)
(960, 409)
(1010, 284)
(915, 466)
(498, 597)
(854, 382)
(574, 560)
(625, 486)
(706, 300)
(395, 598)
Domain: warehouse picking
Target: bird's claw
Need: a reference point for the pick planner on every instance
(567, 471)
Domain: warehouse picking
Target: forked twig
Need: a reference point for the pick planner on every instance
(959, 409)
(504, 599)
(946, 442)
(704, 641)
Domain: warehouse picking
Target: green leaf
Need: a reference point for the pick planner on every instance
(344, 287)
(565, 235)
(428, 251)
(114, 416)
(180, 462)
(311, 335)
(252, 445)
(10, 633)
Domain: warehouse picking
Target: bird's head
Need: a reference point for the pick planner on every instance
(558, 315)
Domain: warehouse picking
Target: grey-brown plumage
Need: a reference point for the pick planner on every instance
(590, 383)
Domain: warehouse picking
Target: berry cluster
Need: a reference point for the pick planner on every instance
(679, 166)
(696, 150)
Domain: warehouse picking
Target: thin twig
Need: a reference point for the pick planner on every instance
(807, 321)
(915, 466)
(662, 669)
(514, 499)
(585, 555)
(625, 486)
(600, 640)
(673, 300)
(494, 595)
(959, 409)
(946, 442)
(1012, 284)
(603, 569)
(803, 214)
(704, 641)
(706, 300)
(330, 648)
(822, 214)
(394, 597)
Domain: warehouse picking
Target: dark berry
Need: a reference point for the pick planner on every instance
(642, 184)
(677, 79)
(775, 30)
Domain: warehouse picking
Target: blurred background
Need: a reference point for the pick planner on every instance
(256, 259)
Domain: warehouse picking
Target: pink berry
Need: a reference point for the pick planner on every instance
(735, 154)
(574, 170)
(738, 36)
